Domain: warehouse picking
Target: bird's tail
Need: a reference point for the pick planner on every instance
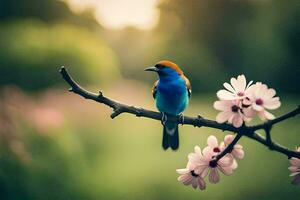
(170, 136)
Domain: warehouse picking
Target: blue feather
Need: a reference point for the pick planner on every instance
(172, 95)
(172, 98)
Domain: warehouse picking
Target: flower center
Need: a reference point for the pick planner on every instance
(216, 150)
(234, 108)
(240, 94)
(259, 102)
(213, 163)
(194, 174)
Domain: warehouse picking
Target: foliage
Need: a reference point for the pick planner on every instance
(251, 37)
(31, 53)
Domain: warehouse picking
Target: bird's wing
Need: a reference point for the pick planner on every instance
(188, 85)
(154, 89)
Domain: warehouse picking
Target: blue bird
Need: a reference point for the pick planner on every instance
(171, 92)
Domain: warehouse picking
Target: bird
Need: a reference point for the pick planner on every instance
(171, 92)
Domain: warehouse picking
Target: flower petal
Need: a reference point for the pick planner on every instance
(295, 162)
(261, 115)
(200, 169)
(223, 105)
(194, 183)
(231, 118)
(295, 174)
(234, 165)
(182, 171)
(208, 153)
(268, 115)
(272, 104)
(294, 169)
(197, 150)
(249, 112)
(205, 172)
(269, 93)
(258, 89)
(223, 116)
(248, 85)
(241, 80)
(238, 146)
(226, 161)
(238, 153)
(201, 183)
(226, 170)
(228, 139)
(214, 176)
(256, 107)
(222, 146)
(228, 87)
(234, 84)
(186, 179)
(237, 120)
(225, 95)
(212, 141)
(194, 161)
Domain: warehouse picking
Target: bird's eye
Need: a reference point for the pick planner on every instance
(159, 66)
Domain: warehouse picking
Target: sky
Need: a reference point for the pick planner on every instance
(117, 14)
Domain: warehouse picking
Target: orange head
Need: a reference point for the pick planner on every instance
(165, 64)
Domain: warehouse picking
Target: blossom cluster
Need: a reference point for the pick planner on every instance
(240, 102)
(204, 163)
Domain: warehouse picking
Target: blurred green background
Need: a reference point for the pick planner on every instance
(56, 145)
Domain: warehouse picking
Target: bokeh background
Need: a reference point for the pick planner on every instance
(56, 145)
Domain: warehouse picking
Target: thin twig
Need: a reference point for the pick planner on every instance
(229, 148)
(119, 108)
(268, 136)
(277, 120)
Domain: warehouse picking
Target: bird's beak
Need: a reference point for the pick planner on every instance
(153, 69)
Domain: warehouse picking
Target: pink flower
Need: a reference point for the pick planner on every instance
(231, 111)
(237, 90)
(237, 151)
(261, 98)
(208, 164)
(240, 101)
(212, 167)
(295, 169)
(195, 157)
(213, 145)
(188, 176)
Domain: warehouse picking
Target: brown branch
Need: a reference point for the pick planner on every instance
(229, 148)
(119, 108)
(277, 120)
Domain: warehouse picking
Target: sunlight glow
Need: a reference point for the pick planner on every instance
(116, 14)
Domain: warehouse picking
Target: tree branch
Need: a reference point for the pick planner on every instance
(270, 123)
(119, 108)
(229, 148)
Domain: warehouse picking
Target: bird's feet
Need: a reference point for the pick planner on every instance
(164, 119)
(181, 119)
